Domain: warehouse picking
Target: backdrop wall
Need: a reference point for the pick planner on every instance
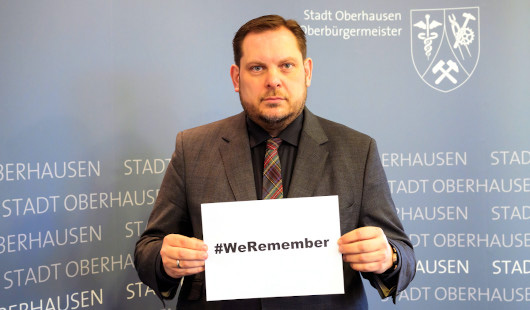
(92, 94)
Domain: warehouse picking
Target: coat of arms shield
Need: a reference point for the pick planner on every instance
(445, 45)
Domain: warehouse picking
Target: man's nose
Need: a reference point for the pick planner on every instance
(273, 79)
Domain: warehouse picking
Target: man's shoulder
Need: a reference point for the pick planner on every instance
(334, 130)
(216, 128)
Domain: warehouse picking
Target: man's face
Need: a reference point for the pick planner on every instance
(272, 78)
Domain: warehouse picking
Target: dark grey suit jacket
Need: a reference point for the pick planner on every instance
(212, 163)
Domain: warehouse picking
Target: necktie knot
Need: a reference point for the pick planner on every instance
(274, 143)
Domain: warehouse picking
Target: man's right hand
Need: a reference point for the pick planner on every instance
(183, 256)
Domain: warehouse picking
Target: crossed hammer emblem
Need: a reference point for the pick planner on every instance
(446, 73)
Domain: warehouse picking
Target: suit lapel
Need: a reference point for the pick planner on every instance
(235, 153)
(310, 159)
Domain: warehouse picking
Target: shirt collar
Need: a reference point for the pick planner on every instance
(291, 134)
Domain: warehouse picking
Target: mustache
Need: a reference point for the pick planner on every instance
(274, 93)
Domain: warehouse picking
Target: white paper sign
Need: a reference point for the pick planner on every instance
(272, 248)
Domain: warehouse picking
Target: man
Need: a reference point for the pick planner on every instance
(224, 161)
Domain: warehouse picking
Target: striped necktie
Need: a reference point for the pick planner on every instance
(272, 172)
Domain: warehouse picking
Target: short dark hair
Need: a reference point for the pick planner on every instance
(264, 23)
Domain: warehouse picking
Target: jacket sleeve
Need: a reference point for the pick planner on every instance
(169, 216)
(377, 209)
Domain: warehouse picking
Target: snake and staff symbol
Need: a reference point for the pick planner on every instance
(428, 36)
(463, 34)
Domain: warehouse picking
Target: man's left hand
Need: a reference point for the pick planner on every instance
(366, 249)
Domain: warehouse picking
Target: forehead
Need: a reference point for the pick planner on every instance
(279, 42)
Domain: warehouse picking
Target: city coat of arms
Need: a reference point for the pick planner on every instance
(445, 45)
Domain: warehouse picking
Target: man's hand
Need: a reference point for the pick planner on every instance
(366, 249)
(183, 256)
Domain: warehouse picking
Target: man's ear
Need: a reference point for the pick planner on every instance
(234, 74)
(308, 68)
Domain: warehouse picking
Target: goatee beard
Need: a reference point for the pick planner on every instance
(275, 121)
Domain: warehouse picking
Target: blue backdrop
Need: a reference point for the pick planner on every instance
(92, 94)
